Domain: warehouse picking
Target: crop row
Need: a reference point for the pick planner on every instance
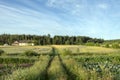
(36, 72)
(12, 60)
(91, 71)
(100, 58)
(102, 67)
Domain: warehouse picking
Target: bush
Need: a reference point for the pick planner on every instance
(31, 53)
(90, 44)
(1, 51)
(66, 52)
(107, 45)
(115, 46)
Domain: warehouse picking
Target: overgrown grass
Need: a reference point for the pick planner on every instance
(68, 63)
(36, 72)
(56, 71)
(103, 65)
(75, 49)
(16, 60)
(22, 49)
(1, 52)
(75, 71)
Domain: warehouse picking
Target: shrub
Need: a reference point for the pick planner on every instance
(30, 53)
(90, 44)
(107, 45)
(115, 45)
(1, 51)
(66, 52)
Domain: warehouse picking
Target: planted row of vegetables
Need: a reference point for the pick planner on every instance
(35, 72)
(62, 66)
(15, 60)
(10, 64)
(100, 58)
(103, 67)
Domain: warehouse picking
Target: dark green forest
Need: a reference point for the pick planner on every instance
(48, 40)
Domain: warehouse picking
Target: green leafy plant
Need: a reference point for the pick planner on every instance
(30, 53)
(115, 45)
(1, 51)
(66, 52)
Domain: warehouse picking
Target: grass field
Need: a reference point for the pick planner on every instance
(84, 49)
(21, 49)
(61, 62)
(47, 49)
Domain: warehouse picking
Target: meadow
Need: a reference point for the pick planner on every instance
(59, 62)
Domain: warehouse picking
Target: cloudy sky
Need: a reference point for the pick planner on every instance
(94, 18)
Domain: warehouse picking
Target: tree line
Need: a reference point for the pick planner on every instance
(48, 40)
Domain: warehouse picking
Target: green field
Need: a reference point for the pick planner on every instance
(21, 49)
(60, 62)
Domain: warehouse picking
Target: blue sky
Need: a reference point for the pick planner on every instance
(94, 18)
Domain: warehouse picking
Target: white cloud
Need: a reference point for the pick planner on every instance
(103, 6)
(29, 21)
(50, 3)
(77, 17)
(71, 7)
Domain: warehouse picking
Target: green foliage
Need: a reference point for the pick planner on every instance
(115, 45)
(80, 67)
(1, 51)
(67, 42)
(35, 72)
(78, 50)
(97, 44)
(107, 45)
(66, 52)
(112, 45)
(94, 68)
(30, 53)
(47, 39)
(53, 52)
(56, 71)
(90, 44)
(12, 60)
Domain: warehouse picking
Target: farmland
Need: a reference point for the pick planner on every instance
(59, 62)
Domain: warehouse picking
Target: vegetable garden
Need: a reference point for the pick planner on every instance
(61, 63)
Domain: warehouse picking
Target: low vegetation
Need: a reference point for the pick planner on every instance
(56, 70)
(36, 72)
(31, 53)
(1, 52)
(61, 63)
(66, 52)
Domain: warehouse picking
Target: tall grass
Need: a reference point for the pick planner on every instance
(86, 49)
(56, 71)
(22, 49)
(104, 67)
(36, 72)
(94, 63)
(76, 71)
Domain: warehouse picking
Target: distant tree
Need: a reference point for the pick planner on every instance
(67, 42)
(47, 39)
